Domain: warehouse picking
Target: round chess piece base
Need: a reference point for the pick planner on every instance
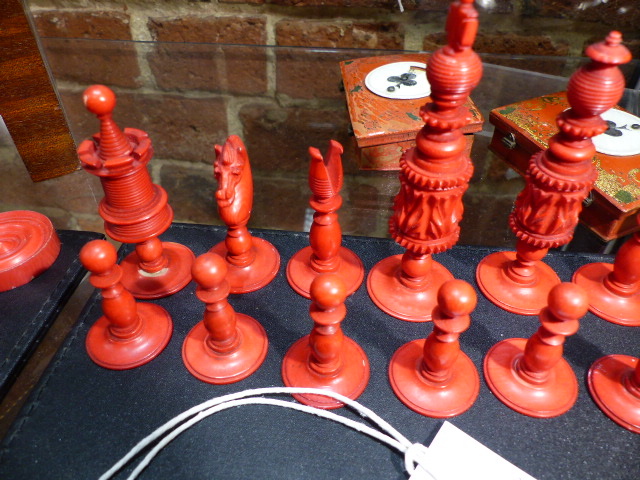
(608, 381)
(219, 369)
(256, 275)
(506, 293)
(438, 400)
(171, 279)
(350, 380)
(300, 273)
(551, 398)
(603, 302)
(402, 302)
(28, 246)
(115, 354)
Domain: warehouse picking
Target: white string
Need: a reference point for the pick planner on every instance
(414, 454)
(401, 6)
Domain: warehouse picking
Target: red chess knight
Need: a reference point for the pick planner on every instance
(325, 254)
(252, 262)
(434, 175)
(129, 334)
(134, 209)
(557, 182)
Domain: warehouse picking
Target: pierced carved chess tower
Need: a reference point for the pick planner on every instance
(134, 209)
(434, 176)
(557, 182)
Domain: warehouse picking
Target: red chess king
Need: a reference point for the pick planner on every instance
(225, 347)
(325, 254)
(129, 334)
(326, 358)
(134, 209)
(434, 377)
(531, 376)
(433, 177)
(557, 182)
(252, 262)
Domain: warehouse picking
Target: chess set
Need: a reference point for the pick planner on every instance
(431, 375)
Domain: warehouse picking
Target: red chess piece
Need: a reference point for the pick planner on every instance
(614, 290)
(326, 358)
(134, 209)
(434, 377)
(225, 347)
(253, 262)
(29, 245)
(325, 255)
(530, 376)
(129, 334)
(433, 177)
(557, 182)
(614, 384)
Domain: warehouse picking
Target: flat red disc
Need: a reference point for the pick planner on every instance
(28, 246)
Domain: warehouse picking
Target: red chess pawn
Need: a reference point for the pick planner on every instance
(134, 209)
(434, 176)
(129, 334)
(225, 347)
(252, 262)
(326, 359)
(530, 376)
(434, 377)
(614, 384)
(325, 255)
(614, 290)
(557, 182)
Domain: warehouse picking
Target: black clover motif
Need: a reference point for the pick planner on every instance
(406, 79)
(616, 131)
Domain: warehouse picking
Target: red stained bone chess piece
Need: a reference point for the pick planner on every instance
(614, 290)
(28, 247)
(434, 175)
(253, 262)
(129, 334)
(326, 358)
(325, 255)
(225, 347)
(434, 377)
(530, 376)
(614, 384)
(557, 182)
(134, 209)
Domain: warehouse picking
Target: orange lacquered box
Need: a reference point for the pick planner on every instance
(525, 128)
(384, 128)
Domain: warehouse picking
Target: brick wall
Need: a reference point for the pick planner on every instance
(263, 94)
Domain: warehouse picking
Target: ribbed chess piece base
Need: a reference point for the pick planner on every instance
(300, 273)
(609, 381)
(350, 380)
(427, 398)
(155, 332)
(514, 297)
(210, 367)
(399, 301)
(255, 275)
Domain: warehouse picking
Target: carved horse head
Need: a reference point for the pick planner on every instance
(235, 185)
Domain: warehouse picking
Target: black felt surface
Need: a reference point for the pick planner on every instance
(27, 312)
(82, 418)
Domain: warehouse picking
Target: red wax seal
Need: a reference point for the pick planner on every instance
(28, 246)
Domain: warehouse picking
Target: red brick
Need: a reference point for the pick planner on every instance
(212, 29)
(99, 25)
(305, 33)
(501, 43)
(190, 193)
(232, 69)
(278, 138)
(337, 3)
(617, 13)
(180, 128)
(88, 62)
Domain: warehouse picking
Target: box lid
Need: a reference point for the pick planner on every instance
(534, 121)
(378, 120)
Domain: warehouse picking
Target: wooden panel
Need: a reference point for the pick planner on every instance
(28, 102)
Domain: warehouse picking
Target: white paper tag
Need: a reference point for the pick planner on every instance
(454, 455)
